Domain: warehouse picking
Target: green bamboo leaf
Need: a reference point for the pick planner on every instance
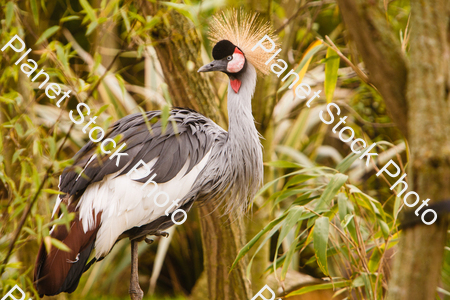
(397, 204)
(348, 218)
(121, 83)
(293, 218)
(347, 162)
(309, 53)
(330, 252)
(323, 286)
(352, 230)
(336, 182)
(320, 238)
(126, 21)
(253, 241)
(6, 100)
(369, 202)
(14, 265)
(358, 282)
(60, 245)
(102, 20)
(269, 184)
(89, 11)
(384, 228)
(16, 155)
(287, 259)
(39, 222)
(9, 13)
(51, 145)
(91, 27)
(184, 9)
(65, 217)
(165, 117)
(53, 192)
(19, 129)
(261, 245)
(29, 230)
(147, 122)
(374, 260)
(62, 56)
(152, 21)
(102, 109)
(282, 164)
(331, 74)
(367, 284)
(135, 16)
(299, 179)
(294, 214)
(281, 259)
(106, 7)
(304, 199)
(69, 18)
(48, 33)
(35, 11)
(342, 203)
(297, 130)
(287, 193)
(37, 148)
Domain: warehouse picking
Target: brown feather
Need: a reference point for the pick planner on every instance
(52, 269)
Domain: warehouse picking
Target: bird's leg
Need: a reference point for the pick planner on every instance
(135, 290)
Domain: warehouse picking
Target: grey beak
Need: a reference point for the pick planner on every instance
(207, 68)
(216, 65)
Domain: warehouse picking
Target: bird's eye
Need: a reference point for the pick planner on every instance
(229, 57)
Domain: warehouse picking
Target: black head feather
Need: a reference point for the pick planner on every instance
(222, 49)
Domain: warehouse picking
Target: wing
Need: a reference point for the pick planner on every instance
(108, 204)
(188, 135)
(175, 154)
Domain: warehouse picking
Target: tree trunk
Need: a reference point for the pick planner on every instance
(419, 257)
(422, 114)
(178, 45)
(222, 238)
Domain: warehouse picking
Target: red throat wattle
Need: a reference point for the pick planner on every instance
(235, 85)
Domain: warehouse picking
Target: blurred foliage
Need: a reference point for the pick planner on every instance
(330, 217)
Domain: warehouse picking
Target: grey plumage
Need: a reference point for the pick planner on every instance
(234, 169)
(193, 158)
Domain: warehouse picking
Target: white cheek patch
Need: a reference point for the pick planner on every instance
(237, 63)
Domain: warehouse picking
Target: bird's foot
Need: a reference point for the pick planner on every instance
(136, 293)
(162, 233)
(148, 240)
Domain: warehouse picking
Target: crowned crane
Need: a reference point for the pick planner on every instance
(194, 160)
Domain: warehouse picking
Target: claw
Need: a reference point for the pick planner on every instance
(162, 233)
(148, 240)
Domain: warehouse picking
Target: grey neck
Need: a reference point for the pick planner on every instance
(243, 143)
(240, 117)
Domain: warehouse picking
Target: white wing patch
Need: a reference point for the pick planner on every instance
(125, 205)
(58, 200)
